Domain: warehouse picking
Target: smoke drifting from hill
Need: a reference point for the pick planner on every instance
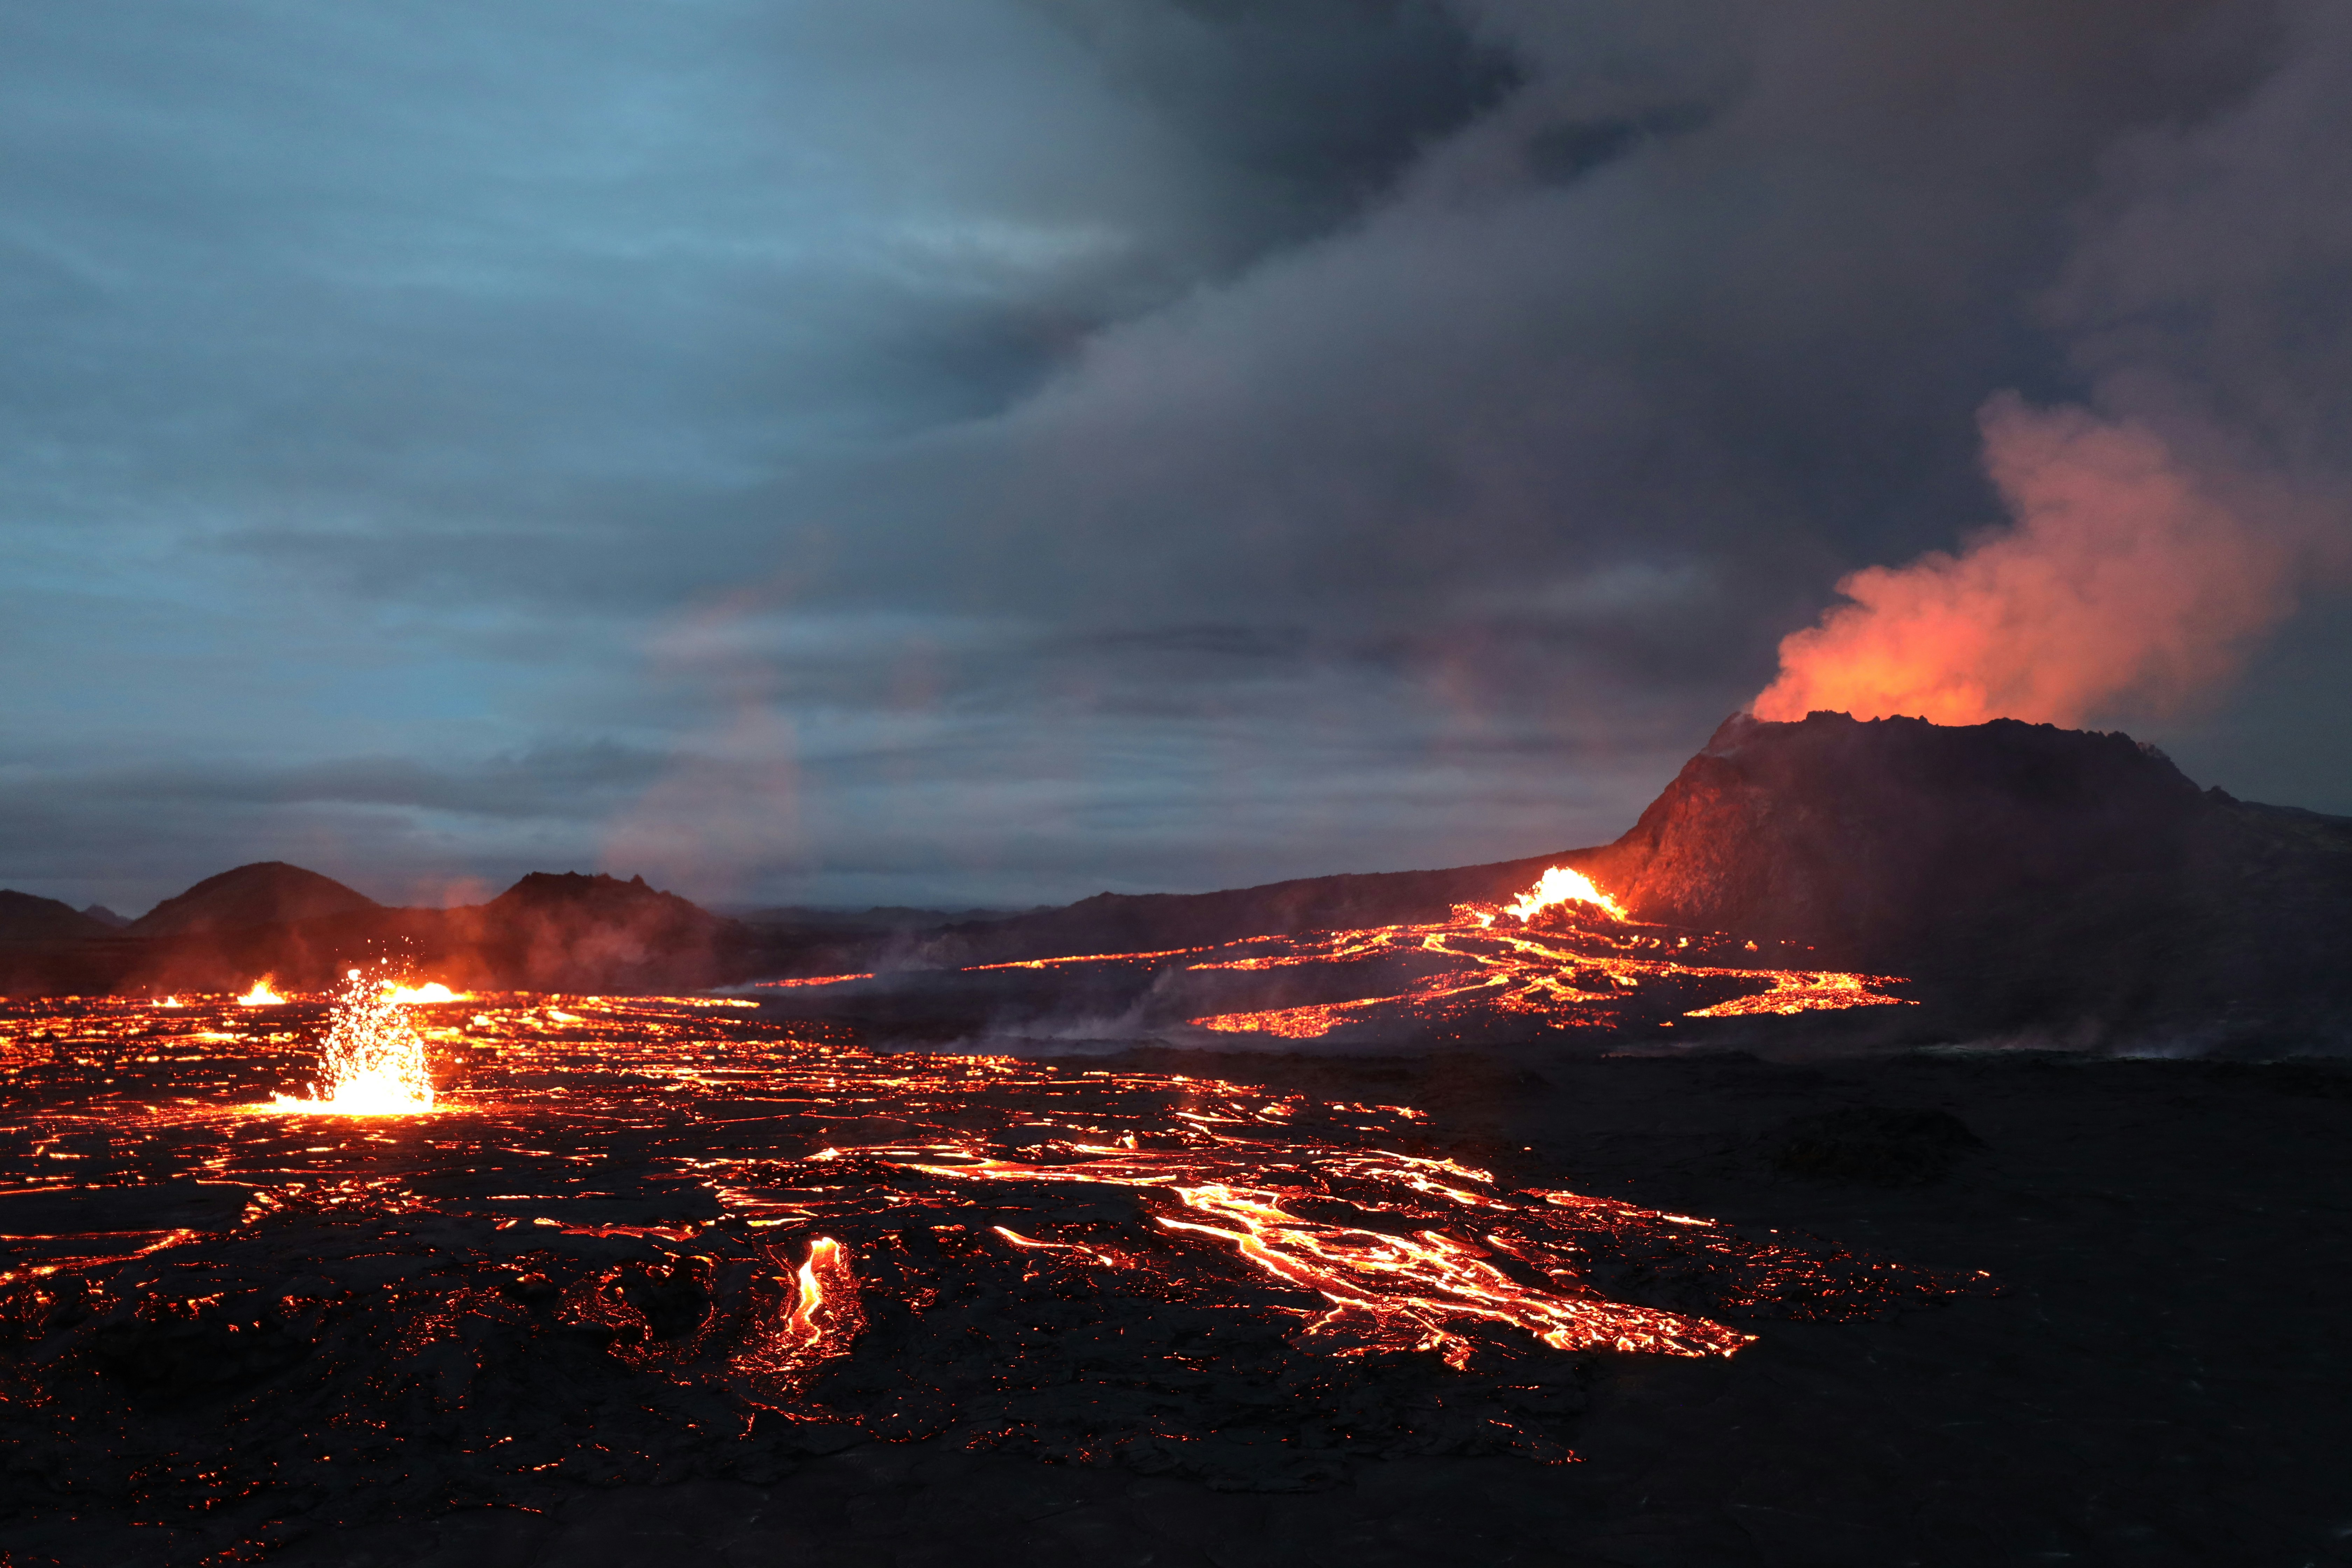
(2123, 580)
(2159, 530)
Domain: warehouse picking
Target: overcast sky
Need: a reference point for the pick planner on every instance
(989, 451)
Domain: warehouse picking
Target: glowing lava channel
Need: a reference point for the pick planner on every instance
(371, 1062)
(1586, 960)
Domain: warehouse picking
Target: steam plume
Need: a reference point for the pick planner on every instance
(2122, 582)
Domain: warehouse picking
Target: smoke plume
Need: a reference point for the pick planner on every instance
(2124, 581)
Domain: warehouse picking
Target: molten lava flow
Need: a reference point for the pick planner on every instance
(1798, 991)
(825, 1318)
(1567, 971)
(1408, 1292)
(1559, 886)
(431, 991)
(261, 995)
(784, 1338)
(1428, 1289)
(371, 1062)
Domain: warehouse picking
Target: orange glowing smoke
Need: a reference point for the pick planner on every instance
(261, 995)
(2121, 582)
(371, 1062)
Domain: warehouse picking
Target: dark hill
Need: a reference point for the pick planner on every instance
(548, 932)
(27, 918)
(268, 892)
(106, 916)
(568, 932)
(1873, 840)
(575, 894)
(2034, 875)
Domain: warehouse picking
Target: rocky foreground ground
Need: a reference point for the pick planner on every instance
(2163, 1379)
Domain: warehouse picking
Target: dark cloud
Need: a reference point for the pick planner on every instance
(1307, 109)
(990, 451)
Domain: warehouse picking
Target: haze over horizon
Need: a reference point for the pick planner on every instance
(992, 451)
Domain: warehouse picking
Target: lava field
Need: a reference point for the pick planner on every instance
(638, 1239)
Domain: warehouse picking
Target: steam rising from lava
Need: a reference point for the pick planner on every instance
(2123, 579)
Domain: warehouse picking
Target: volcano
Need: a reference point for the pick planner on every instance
(2022, 872)
(2021, 875)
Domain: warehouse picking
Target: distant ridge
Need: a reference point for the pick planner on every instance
(600, 893)
(28, 918)
(550, 931)
(268, 892)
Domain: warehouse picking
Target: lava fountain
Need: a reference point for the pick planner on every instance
(371, 1062)
(1559, 885)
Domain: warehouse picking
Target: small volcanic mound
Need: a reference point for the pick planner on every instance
(268, 892)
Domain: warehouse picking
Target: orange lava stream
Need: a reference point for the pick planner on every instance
(786, 1337)
(1082, 958)
(1386, 1291)
(1797, 991)
(1403, 1292)
(1581, 967)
